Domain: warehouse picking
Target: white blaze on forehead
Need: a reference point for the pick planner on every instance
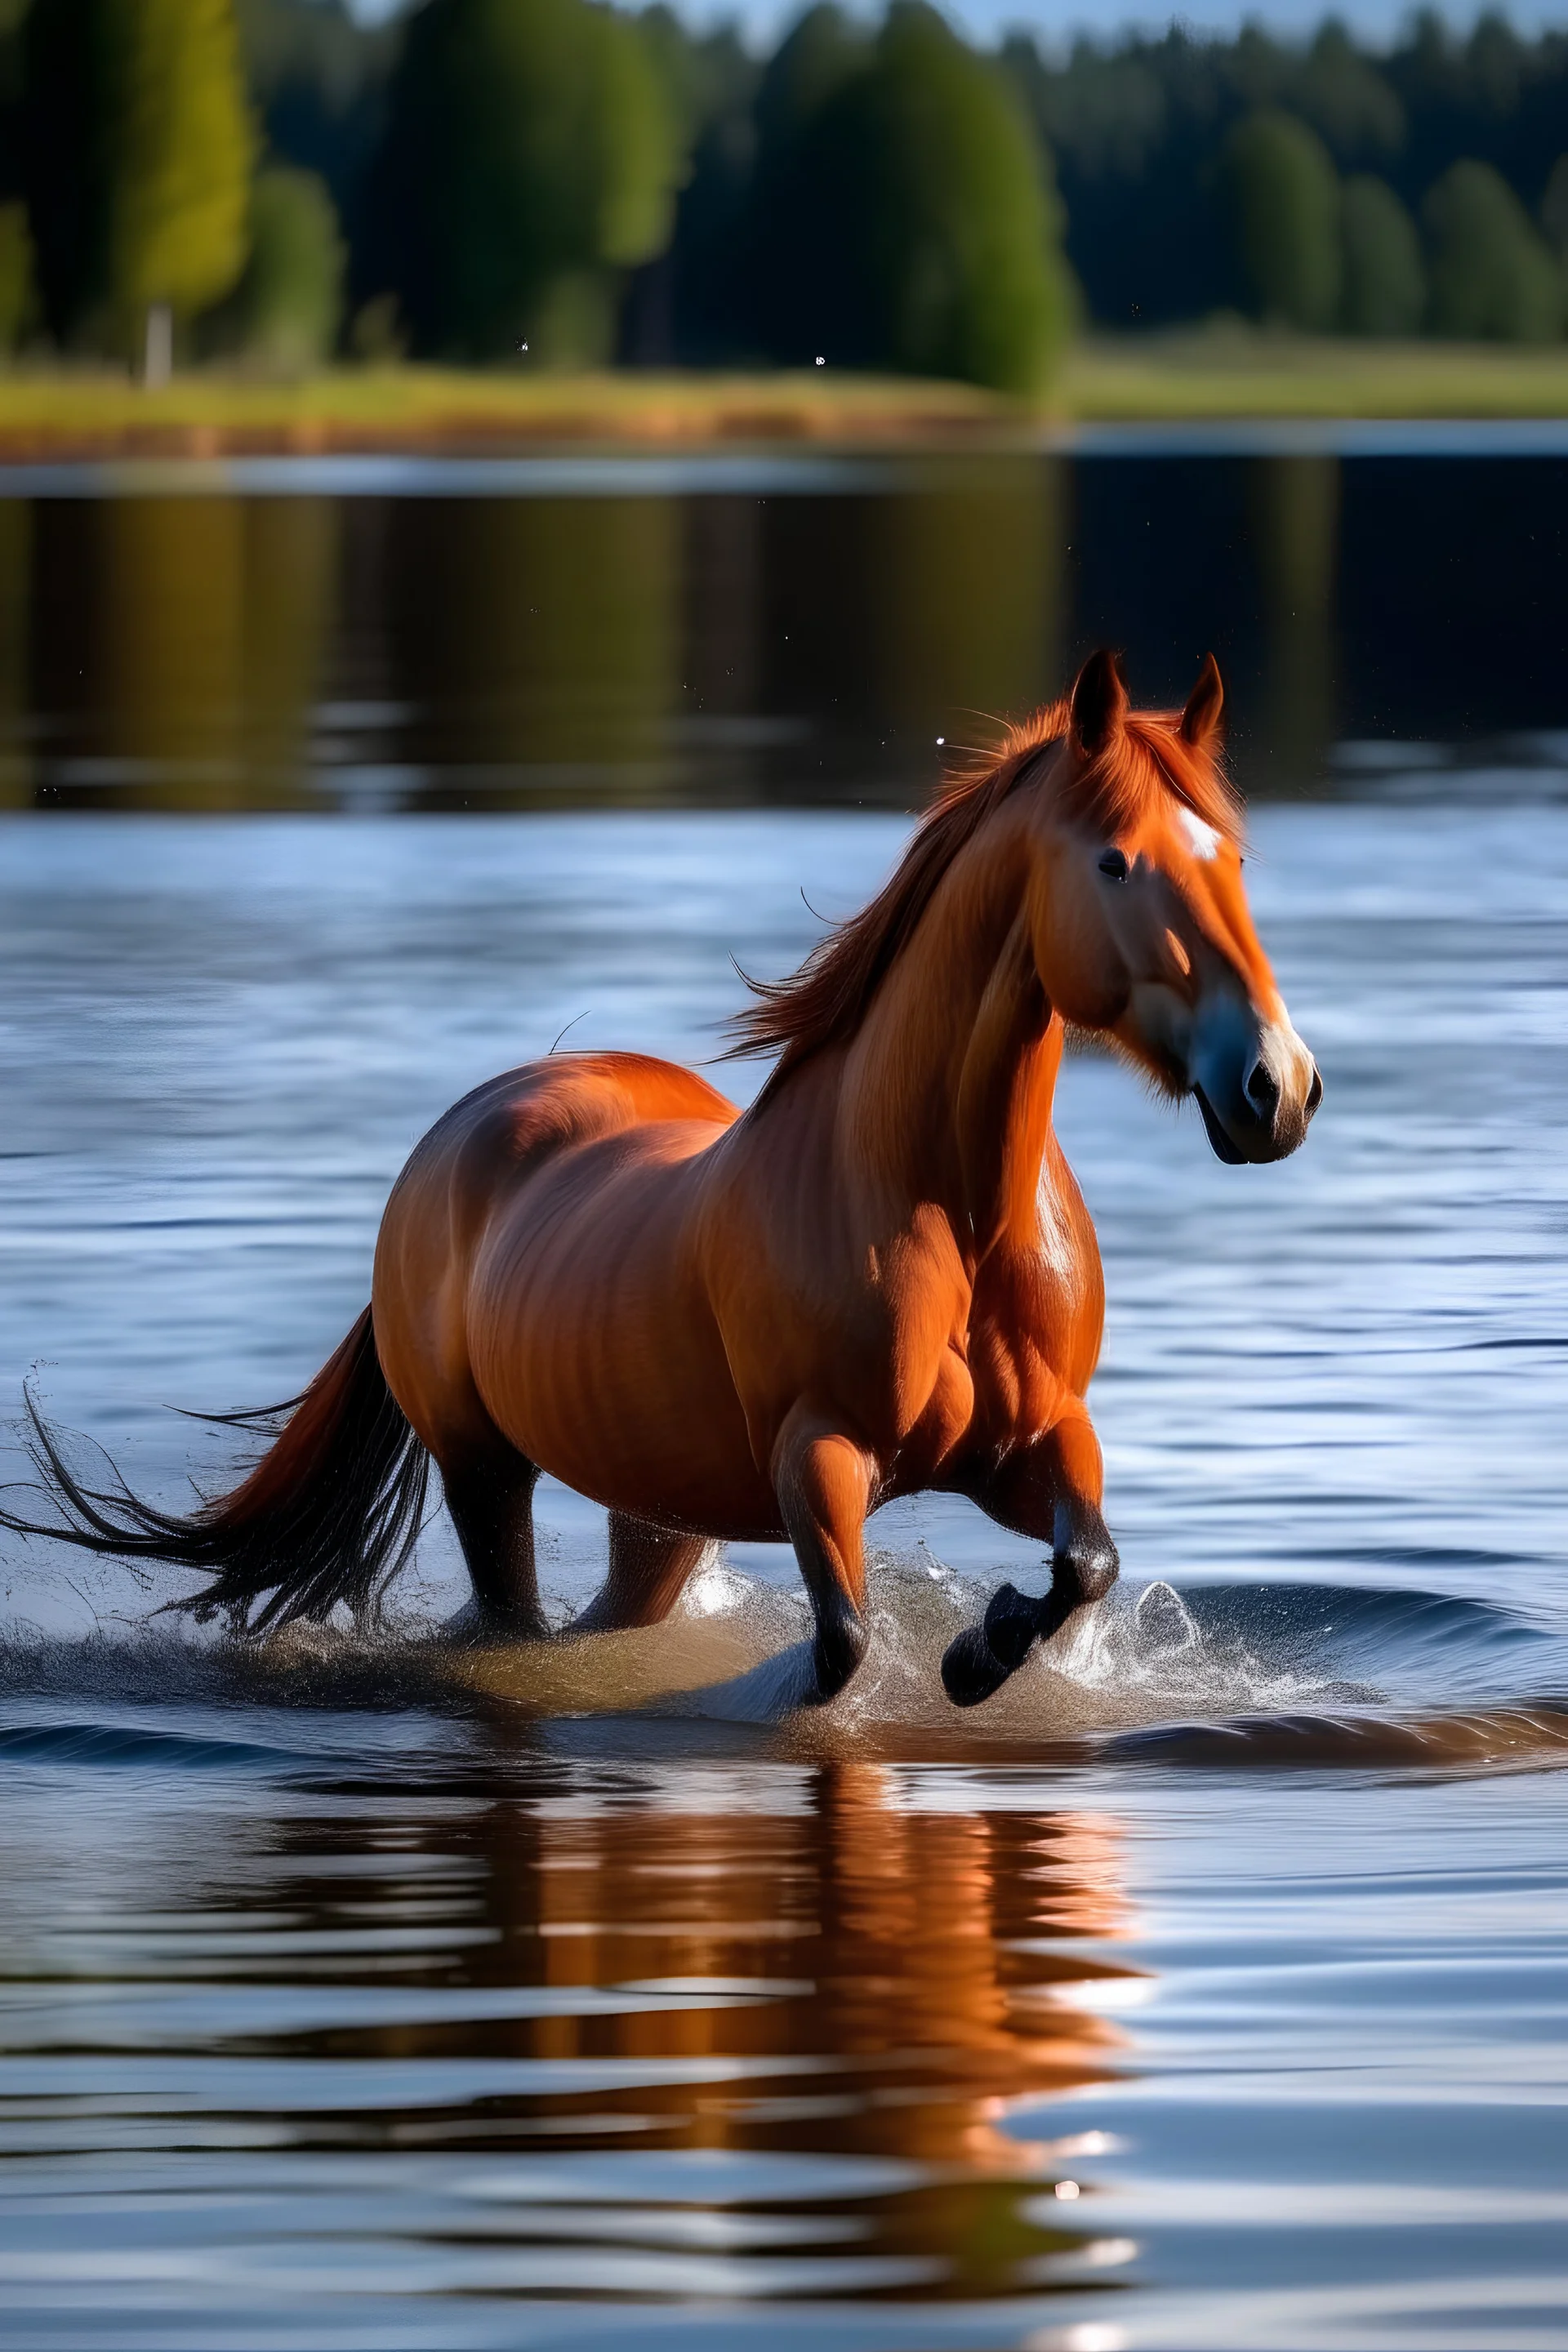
(1201, 838)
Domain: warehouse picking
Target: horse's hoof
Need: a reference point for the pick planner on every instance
(971, 1671)
(466, 1630)
(1012, 1621)
(477, 1627)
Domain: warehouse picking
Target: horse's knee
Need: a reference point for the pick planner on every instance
(841, 1642)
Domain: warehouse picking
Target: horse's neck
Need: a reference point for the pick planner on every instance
(948, 1089)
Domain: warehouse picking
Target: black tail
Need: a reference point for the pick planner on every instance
(330, 1513)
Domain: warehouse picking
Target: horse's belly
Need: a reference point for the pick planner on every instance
(595, 1351)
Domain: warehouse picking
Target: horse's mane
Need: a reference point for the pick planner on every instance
(1147, 762)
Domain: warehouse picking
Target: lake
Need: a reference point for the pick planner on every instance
(1207, 1989)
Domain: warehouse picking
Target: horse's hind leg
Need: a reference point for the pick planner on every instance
(1052, 1490)
(648, 1569)
(491, 1496)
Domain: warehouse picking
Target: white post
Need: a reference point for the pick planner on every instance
(158, 353)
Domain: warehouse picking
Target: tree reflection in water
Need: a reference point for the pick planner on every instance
(809, 637)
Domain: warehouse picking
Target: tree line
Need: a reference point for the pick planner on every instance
(485, 179)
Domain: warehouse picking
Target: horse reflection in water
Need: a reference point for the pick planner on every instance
(880, 1279)
(840, 1971)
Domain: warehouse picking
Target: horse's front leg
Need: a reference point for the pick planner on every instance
(823, 1480)
(1052, 1490)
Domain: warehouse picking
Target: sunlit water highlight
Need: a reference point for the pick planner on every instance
(1207, 1989)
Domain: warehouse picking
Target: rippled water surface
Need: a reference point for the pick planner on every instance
(1208, 1990)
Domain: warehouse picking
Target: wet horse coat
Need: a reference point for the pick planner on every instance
(880, 1279)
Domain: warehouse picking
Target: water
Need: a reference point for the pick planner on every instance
(1207, 1991)
(728, 630)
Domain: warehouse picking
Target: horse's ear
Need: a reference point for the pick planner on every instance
(1098, 701)
(1200, 720)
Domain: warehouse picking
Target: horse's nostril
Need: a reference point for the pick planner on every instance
(1263, 1090)
(1315, 1091)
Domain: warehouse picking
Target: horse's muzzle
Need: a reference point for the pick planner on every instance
(1257, 1094)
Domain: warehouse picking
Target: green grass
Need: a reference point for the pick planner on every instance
(1214, 372)
(1234, 373)
(208, 413)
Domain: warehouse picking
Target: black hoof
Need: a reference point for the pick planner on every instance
(842, 1641)
(1012, 1621)
(980, 1661)
(971, 1671)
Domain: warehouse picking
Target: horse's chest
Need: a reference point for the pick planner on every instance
(1035, 1326)
(1064, 1246)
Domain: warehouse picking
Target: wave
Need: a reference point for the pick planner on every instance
(128, 1746)
(1520, 1739)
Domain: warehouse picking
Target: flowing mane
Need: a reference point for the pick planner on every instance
(827, 999)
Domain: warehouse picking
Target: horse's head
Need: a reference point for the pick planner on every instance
(1144, 934)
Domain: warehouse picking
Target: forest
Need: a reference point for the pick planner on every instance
(552, 183)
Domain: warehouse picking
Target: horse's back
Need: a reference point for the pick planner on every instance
(548, 1106)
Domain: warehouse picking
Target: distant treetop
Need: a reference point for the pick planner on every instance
(555, 181)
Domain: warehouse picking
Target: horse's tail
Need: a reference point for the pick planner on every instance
(330, 1513)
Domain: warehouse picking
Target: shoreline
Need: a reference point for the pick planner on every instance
(1184, 384)
(420, 411)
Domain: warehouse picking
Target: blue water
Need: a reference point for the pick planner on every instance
(1207, 1991)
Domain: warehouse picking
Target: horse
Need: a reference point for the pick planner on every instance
(877, 1279)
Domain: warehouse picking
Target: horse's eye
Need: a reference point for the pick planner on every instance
(1113, 864)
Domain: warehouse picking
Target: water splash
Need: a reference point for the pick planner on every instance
(1156, 1651)
(1149, 1669)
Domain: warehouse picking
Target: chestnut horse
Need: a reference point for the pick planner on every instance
(880, 1279)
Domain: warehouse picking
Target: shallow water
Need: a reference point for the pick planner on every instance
(1208, 1988)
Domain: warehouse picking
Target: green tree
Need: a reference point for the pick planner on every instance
(532, 154)
(1554, 209)
(183, 162)
(287, 308)
(137, 160)
(691, 301)
(906, 213)
(821, 53)
(71, 78)
(16, 276)
(965, 228)
(1343, 95)
(1384, 281)
(1285, 195)
(807, 196)
(1492, 274)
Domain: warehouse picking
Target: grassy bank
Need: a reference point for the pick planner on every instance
(425, 409)
(1151, 379)
(1214, 373)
